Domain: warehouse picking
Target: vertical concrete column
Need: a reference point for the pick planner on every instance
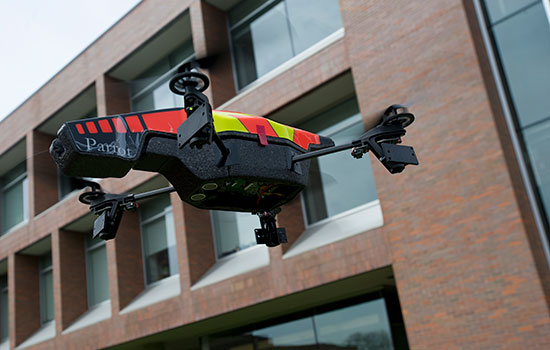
(26, 297)
(210, 38)
(70, 287)
(44, 171)
(125, 263)
(112, 95)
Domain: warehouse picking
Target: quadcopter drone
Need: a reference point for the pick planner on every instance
(213, 159)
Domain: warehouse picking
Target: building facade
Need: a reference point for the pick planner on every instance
(452, 254)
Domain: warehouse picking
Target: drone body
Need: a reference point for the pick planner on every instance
(213, 159)
(258, 175)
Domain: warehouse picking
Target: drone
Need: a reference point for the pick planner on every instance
(216, 160)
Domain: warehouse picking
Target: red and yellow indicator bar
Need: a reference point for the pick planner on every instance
(168, 121)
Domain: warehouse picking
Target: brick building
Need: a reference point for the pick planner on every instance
(452, 254)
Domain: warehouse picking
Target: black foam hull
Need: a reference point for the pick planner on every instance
(255, 177)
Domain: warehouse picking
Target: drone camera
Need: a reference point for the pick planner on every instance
(270, 234)
(397, 156)
(106, 224)
(271, 238)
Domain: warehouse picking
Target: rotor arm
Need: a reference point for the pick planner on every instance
(382, 140)
(110, 206)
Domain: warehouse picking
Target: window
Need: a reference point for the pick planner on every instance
(68, 184)
(233, 231)
(337, 184)
(159, 239)
(150, 89)
(96, 271)
(4, 318)
(46, 288)
(265, 34)
(521, 34)
(361, 326)
(13, 198)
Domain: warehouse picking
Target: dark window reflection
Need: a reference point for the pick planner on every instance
(499, 9)
(521, 33)
(364, 326)
(536, 139)
(524, 45)
(291, 334)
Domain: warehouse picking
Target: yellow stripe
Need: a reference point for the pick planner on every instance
(283, 131)
(225, 122)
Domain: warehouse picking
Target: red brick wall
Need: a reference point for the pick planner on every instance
(128, 260)
(27, 297)
(72, 271)
(45, 173)
(508, 151)
(113, 96)
(463, 265)
(200, 242)
(210, 39)
(456, 231)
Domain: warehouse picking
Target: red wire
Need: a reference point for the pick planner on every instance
(262, 193)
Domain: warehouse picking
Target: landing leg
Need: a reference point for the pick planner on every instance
(270, 234)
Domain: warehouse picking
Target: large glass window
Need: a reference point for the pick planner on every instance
(4, 318)
(13, 198)
(521, 34)
(46, 288)
(265, 34)
(233, 231)
(362, 326)
(96, 271)
(337, 184)
(159, 239)
(150, 90)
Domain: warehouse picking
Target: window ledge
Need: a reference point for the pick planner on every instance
(46, 332)
(329, 40)
(5, 345)
(96, 314)
(164, 289)
(347, 224)
(58, 203)
(235, 264)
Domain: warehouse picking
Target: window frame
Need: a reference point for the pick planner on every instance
(345, 123)
(89, 269)
(227, 256)
(249, 17)
(42, 271)
(142, 222)
(23, 179)
(162, 79)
